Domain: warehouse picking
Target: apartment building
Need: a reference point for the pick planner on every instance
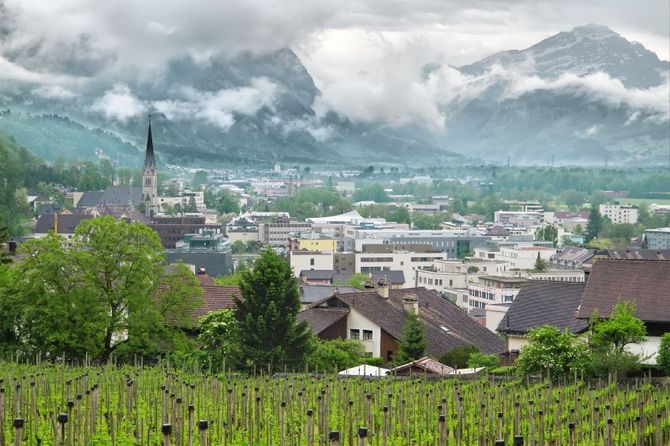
(409, 259)
(658, 238)
(620, 213)
(524, 257)
(277, 232)
(493, 290)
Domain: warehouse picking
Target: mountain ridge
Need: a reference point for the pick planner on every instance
(545, 101)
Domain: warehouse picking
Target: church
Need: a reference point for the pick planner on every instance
(150, 178)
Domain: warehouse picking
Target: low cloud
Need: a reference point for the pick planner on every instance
(54, 92)
(219, 108)
(119, 103)
(598, 87)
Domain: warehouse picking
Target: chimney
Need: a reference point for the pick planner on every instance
(369, 283)
(383, 287)
(410, 303)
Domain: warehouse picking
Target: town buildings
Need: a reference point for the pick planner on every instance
(207, 250)
(620, 213)
(173, 229)
(658, 238)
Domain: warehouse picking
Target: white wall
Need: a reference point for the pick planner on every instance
(356, 320)
(399, 261)
(313, 260)
(494, 315)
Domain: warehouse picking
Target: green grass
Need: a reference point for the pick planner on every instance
(649, 201)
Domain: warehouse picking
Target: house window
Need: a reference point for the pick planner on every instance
(354, 333)
(367, 335)
(311, 262)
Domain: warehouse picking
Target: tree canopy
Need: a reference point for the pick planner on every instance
(103, 292)
(610, 338)
(412, 342)
(270, 336)
(552, 352)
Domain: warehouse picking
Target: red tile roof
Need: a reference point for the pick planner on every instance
(643, 282)
(217, 297)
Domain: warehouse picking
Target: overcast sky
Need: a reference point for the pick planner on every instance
(339, 41)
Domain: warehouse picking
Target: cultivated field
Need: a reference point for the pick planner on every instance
(54, 405)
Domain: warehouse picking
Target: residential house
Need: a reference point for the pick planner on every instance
(62, 224)
(377, 318)
(539, 303)
(645, 283)
(313, 293)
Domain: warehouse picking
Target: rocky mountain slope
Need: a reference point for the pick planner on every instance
(578, 97)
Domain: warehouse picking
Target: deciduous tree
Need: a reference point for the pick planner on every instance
(610, 338)
(552, 352)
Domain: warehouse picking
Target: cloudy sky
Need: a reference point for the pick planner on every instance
(341, 42)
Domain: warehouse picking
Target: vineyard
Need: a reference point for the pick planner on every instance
(60, 405)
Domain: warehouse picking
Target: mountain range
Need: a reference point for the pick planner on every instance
(578, 97)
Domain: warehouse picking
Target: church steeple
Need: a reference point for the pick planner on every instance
(149, 161)
(150, 178)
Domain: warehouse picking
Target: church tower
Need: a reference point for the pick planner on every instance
(150, 178)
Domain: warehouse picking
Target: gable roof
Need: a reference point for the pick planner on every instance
(67, 223)
(317, 274)
(216, 298)
(90, 199)
(541, 302)
(395, 277)
(426, 364)
(573, 255)
(639, 254)
(320, 319)
(121, 196)
(312, 293)
(646, 283)
(446, 325)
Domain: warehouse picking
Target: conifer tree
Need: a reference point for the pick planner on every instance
(412, 345)
(594, 226)
(270, 336)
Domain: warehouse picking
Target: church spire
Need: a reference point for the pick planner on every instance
(149, 162)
